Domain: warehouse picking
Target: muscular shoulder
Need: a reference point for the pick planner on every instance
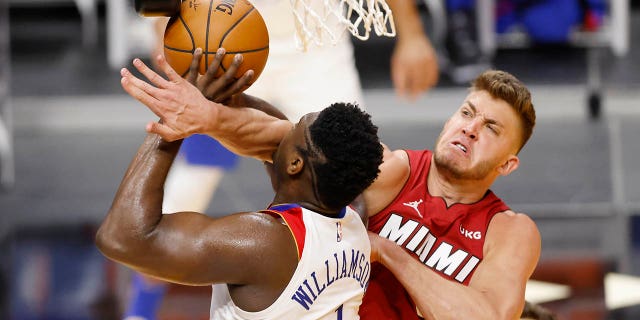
(513, 222)
(516, 220)
(251, 233)
(514, 228)
(394, 172)
(262, 226)
(263, 239)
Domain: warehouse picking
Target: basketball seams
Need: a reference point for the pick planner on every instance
(250, 50)
(206, 39)
(193, 42)
(178, 50)
(239, 51)
(186, 27)
(221, 30)
(224, 36)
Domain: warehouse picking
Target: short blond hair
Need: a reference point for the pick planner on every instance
(503, 85)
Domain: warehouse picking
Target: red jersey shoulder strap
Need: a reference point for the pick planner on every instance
(419, 162)
(493, 205)
(292, 216)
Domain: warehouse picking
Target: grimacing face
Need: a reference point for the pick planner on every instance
(479, 138)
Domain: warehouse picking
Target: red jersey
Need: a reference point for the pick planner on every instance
(448, 240)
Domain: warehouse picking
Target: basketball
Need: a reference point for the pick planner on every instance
(235, 25)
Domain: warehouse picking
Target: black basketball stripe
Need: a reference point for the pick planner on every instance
(245, 51)
(186, 27)
(179, 50)
(233, 26)
(229, 30)
(206, 39)
(250, 50)
(193, 42)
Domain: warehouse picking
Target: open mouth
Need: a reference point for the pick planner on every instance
(460, 146)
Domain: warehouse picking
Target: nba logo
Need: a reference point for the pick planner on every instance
(338, 231)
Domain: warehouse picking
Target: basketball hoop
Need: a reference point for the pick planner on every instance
(316, 24)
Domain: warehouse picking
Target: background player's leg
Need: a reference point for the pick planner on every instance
(190, 187)
(145, 298)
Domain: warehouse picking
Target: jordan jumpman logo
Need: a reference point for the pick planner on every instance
(414, 205)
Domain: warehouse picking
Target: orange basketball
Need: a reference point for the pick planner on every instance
(235, 25)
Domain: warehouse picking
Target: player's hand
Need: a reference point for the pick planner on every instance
(182, 108)
(414, 66)
(221, 88)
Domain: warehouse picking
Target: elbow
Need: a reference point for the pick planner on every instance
(115, 243)
(108, 242)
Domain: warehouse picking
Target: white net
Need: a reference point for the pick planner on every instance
(324, 21)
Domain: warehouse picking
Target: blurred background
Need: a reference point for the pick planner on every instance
(68, 131)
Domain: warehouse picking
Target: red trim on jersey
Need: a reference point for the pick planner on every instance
(292, 216)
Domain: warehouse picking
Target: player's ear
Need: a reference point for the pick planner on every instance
(295, 163)
(510, 165)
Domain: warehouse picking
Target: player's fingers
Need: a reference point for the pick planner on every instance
(417, 84)
(192, 74)
(212, 69)
(423, 81)
(414, 91)
(214, 88)
(171, 74)
(399, 79)
(140, 95)
(134, 86)
(164, 131)
(230, 74)
(237, 87)
(220, 86)
(142, 85)
(155, 78)
(434, 74)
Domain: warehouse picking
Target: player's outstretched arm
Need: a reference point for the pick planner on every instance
(184, 110)
(185, 247)
(496, 289)
(414, 64)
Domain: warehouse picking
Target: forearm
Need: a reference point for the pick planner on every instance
(406, 18)
(248, 131)
(137, 207)
(435, 296)
(249, 101)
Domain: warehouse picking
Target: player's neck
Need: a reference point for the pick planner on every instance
(319, 209)
(305, 201)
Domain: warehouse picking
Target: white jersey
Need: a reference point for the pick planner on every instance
(299, 82)
(332, 273)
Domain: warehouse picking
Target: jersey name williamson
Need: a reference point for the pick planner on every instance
(342, 265)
